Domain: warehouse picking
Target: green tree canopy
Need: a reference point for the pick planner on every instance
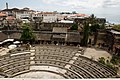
(74, 27)
(95, 24)
(94, 27)
(115, 60)
(86, 32)
(102, 26)
(101, 60)
(74, 12)
(116, 27)
(27, 33)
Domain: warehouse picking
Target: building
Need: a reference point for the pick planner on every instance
(2, 18)
(57, 36)
(48, 17)
(74, 16)
(24, 13)
(113, 38)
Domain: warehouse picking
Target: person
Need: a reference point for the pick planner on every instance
(78, 45)
(98, 44)
(108, 48)
(28, 46)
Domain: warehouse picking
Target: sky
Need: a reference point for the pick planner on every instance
(110, 9)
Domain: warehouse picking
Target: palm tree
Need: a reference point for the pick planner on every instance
(74, 27)
(91, 26)
(85, 34)
(95, 25)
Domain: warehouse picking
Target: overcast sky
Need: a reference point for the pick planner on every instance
(101, 8)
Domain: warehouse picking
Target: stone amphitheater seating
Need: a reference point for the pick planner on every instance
(57, 56)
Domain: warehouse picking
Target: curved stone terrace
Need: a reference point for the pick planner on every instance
(55, 62)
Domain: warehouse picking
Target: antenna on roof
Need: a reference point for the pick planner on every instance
(6, 5)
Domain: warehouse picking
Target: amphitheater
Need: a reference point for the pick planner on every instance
(50, 61)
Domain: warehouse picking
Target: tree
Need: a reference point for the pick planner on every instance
(27, 34)
(102, 26)
(74, 12)
(95, 25)
(115, 60)
(116, 27)
(91, 26)
(94, 28)
(74, 27)
(85, 34)
(101, 60)
(111, 64)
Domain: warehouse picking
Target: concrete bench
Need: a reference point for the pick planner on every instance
(72, 75)
(17, 69)
(91, 69)
(10, 72)
(81, 72)
(54, 57)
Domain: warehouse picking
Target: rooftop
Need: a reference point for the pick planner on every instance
(2, 14)
(115, 32)
(65, 21)
(79, 15)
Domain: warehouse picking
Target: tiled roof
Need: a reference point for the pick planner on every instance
(79, 15)
(44, 13)
(48, 13)
(2, 14)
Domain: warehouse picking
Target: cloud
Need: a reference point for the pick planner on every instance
(84, 3)
(98, 7)
(111, 3)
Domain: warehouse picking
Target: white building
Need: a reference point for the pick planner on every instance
(50, 17)
(47, 16)
(36, 15)
(23, 14)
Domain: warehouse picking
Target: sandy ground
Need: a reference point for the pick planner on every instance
(40, 75)
(3, 51)
(96, 53)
